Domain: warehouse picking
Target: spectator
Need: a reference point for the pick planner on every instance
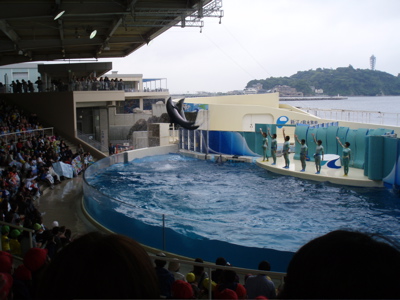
(174, 267)
(229, 282)
(111, 149)
(120, 85)
(182, 290)
(199, 272)
(34, 263)
(191, 279)
(100, 266)
(15, 246)
(5, 241)
(216, 275)
(30, 87)
(261, 284)
(24, 86)
(39, 84)
(344, 264)
(165, 277)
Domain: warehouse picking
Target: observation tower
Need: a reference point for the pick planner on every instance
(372, 61)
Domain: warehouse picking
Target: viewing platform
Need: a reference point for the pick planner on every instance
(355, 177)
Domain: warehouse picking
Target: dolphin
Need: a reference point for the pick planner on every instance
(177, 115)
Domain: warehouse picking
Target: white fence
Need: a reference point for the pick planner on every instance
(360, 116)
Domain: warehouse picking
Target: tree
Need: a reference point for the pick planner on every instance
(345, 81)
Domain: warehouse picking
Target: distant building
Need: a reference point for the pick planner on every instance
(286, 91)
(235, 92)
(319, 91)
(250, 91)
(257, 86)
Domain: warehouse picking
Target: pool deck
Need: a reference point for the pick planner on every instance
(355, 177)
(64, 204)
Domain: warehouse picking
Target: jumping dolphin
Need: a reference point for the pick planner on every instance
(177, 115)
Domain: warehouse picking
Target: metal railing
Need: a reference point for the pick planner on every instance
(360, 116)
(81, 86)
(88, 138)
(276, 277)
(30, 231)
(14, 136)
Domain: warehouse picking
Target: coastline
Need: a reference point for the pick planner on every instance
(311, 98)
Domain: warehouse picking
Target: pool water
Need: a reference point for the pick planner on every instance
(244, 204)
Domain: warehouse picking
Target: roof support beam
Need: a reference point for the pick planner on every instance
(129, 7)
(9, 32)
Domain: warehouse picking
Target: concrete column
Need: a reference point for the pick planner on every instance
(104, 129)
(141, 103)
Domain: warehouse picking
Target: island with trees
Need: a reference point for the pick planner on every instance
(344, 81)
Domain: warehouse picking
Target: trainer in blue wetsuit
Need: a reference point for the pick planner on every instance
(264, 145)
(303, 152)
(346, 155)
(319, 154)
(286, 147)
(274, 146)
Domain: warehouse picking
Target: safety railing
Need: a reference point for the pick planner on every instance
(89, 139)
(14, 136)
(360, 116)
(276, 277)
(30, 231)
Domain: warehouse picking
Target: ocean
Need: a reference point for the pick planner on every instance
(383, 110)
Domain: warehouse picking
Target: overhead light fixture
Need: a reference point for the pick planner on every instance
(93, 34)
(59, 14)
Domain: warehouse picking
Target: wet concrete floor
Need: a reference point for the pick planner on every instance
(63, 204)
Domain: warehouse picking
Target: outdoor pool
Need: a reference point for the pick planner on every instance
(242, 204)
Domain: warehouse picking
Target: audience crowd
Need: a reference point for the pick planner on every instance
(27, 155)
(74, 84)
(340, 264)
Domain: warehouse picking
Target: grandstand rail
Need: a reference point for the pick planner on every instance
(277, 277)
(14, 136)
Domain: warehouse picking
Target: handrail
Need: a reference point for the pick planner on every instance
(361, 116)
(16, 226)
(279, 277)
(86, 138)
(30, 231)
(24, 134)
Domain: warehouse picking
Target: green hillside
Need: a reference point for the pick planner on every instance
(342, 81)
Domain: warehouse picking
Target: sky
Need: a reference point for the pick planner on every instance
(258, 39)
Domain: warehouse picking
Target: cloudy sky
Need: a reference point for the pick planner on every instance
(262, 38)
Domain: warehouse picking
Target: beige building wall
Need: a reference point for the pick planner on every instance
(270, 100)
(53, 109)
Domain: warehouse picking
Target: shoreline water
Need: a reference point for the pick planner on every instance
(389, 104)
(310, 98)
(381, 110)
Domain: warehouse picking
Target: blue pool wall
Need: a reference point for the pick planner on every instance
(122, 218)
(374, 150)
